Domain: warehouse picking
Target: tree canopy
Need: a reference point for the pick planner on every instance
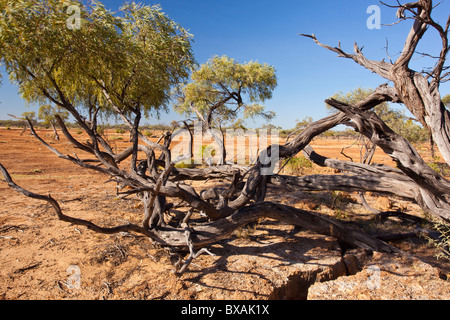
(129, 60)
(446, 100)
(225, 90)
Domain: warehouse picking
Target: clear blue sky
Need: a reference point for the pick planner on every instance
(267, 31)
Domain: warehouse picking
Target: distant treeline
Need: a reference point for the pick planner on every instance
(122, 127)
(284, 133)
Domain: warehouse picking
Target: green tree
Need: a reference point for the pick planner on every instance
(47, 115)
(124, 63)
(302, 124)
(223, 91)
(31, 115)
(446, 101)
(269, 127)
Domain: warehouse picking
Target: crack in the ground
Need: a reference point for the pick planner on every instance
(298, 284)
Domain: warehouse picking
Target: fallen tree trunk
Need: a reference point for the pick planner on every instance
(434, 190)
(208, 233)
(348, 183)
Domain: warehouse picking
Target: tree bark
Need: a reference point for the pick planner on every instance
(208, 233)
(434, 189)
(419, 95)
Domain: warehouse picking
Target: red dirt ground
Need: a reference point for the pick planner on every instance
(39, 254)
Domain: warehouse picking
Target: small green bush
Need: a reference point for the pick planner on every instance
(441, 168)
(295, 166)
(183, 165)
(442, 244)
(206, 151)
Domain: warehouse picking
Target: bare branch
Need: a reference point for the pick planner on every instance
(208, 233)
(407, 158)
(379, 67)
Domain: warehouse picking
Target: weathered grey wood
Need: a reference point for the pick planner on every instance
(215, 172)
(207, 233)
(349, 183)
(354, 167)
(420, 95)
(433, 188)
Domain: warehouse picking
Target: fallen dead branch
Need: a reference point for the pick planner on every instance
(202, 235)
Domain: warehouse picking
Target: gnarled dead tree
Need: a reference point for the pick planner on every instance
(157, 180)
(418, 91)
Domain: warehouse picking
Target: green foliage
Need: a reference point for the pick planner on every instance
(30, 115)
(296, 165)
(206, 151)
(183, 165)
(446, 101)
(442, 168)
(442, 244)
(302, 124)
(130, 59)
(47, 114)
(351, 97)
(226, 90)
(101, 130)
(148, 134)
(268, 127)
(245, 232)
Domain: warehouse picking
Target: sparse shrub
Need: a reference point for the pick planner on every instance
(443, 242)
(340, 201)
(101, 130)
(120, 130)
(183, 165)
(206, 151)
(246, 231)
(296, 166)
(116, 253)
(340, 214)
(441, 168)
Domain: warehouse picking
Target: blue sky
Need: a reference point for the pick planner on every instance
(267, 32)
